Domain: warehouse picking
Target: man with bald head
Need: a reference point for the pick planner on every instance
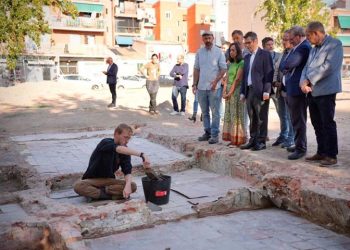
(111, 74)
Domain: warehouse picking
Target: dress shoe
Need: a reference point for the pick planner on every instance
(296, 155)
(213, 140)
(291, 149)
(192, 118)
(248, 145)
(287, 144)
(204, 137)
(279, 141)
(316, 157)
(328, 161)
(258, 147)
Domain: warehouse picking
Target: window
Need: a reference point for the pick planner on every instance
(127, 25)
(168, 15)
(90, 40)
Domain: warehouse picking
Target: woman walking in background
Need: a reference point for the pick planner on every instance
(152, 83)
(233, 129)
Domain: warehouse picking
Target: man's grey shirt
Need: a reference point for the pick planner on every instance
(209, 62)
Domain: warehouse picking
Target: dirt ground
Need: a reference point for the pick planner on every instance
(32, 108)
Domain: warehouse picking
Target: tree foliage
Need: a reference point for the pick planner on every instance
(21, 18)
(281, 15)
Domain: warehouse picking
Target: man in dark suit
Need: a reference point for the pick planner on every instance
(256, 89)
(111, 74)
(292, 68)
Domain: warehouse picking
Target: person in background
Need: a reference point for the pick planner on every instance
(292, 69)
(152, 71)
(237, 37)
(180, 74)
(268, 44)
(286, 136)
(233, 128)
(111, 74)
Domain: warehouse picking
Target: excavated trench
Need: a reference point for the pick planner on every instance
(56, 218)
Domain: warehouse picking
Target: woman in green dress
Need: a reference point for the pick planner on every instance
(233, 129)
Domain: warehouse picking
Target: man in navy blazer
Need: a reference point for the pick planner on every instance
(321, 79)
(292, 68)
(256, 89)
(111, 74)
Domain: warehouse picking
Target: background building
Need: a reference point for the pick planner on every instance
(340, 19)
(199, 18)
(241, 16)
(171, 22)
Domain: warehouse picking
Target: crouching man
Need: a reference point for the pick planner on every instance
(99, 181)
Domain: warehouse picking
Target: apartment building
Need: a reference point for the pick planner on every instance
(199, 18)
(241, 17)
(133, 20)
(171, 21)
(340, 19)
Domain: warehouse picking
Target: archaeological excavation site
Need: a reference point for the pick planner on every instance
(219, 198)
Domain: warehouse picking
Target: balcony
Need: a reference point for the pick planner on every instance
(126, 9)
(79, 23)
(128, 30)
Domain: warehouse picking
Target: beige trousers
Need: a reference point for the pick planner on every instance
(91, 187)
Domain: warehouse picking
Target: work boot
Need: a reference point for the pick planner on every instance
(204, 137)
(213, 140)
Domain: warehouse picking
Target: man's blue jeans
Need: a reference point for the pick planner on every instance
(286, 128)
(210, 99)
(195, 103)
(175, 93)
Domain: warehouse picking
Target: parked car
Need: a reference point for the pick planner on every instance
(166, 80)
(131, 82)
(75, 78)
(345, 71)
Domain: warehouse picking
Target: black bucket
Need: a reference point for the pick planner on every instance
(157, 191)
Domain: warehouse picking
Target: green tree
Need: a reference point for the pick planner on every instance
(21, 18)
(281, 15)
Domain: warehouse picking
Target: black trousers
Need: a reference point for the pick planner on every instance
(113, 92)
(258, 115)
(297, 106)
(322, 109)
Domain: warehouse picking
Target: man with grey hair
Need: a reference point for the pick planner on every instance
(209, 67)
(321, 80)
(292, 68)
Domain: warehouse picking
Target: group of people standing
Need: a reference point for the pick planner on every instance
(306, 74)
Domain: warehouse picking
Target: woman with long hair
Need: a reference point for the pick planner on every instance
(233, 129)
